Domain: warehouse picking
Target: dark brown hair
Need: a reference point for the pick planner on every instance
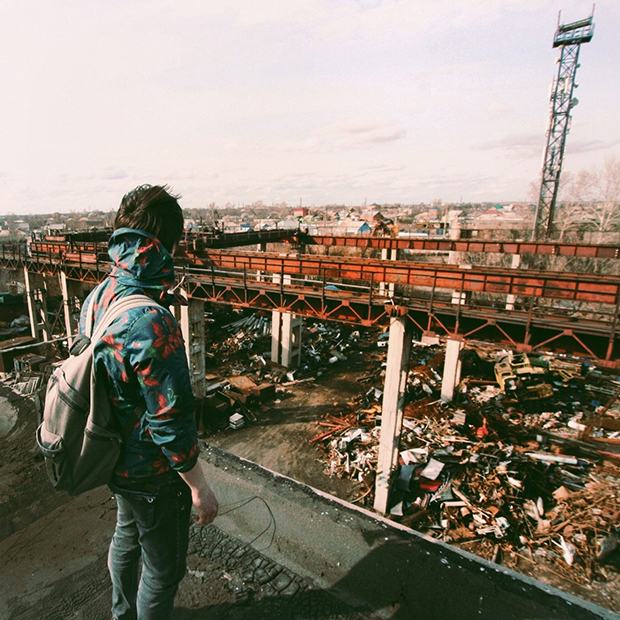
(154, 209)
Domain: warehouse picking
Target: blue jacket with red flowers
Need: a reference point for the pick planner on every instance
(142, 357)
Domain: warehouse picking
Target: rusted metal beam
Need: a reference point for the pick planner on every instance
(426, 300)
(199, 241)
(574, 287)
(465, 245)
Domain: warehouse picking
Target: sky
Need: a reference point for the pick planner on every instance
(307, 102)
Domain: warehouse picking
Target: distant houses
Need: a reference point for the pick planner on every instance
(373, 220)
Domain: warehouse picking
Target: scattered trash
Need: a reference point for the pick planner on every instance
(525, 463)
(522, 378)
(236, 420)
(502, 467)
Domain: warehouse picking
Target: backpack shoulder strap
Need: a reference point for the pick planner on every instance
(133, 420)
(117, 308)
(90, 314)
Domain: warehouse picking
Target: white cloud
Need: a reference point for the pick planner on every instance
(231, 99)
(588, 146)
(114, 174)
(498, 110)
(521, 142)
(348, 134)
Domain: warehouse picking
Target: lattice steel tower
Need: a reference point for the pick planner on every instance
(569, 37)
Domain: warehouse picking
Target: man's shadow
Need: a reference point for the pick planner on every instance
(405, 580)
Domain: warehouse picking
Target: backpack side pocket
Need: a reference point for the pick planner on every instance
(52, 448)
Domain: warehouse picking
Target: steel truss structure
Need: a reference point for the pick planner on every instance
(530, 329)
(551, 311)
(569, 38)
(463, 245)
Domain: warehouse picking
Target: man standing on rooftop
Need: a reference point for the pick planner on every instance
(158, 476)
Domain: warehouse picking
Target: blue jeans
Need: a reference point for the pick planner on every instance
(153, 523)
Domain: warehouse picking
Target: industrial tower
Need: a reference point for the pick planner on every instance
(569, 37)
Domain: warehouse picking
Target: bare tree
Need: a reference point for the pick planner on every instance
(590, 200)
(605, 214)
(576, 200)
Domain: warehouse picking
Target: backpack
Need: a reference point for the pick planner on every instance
(78, 436)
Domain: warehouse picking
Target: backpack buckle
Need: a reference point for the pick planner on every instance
(79, 344)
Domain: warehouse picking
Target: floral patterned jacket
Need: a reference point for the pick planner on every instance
(142, 357)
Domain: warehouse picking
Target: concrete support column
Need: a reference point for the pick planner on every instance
(459, 298)
(388, 288)
(276, 328)
(70, 290)
(261, 247)
(510, 299)
(193, 330)
(399, 350)
(286, 329)
(455, 224)
(37, 308)
(451, 369)
(291, 340)
(32, 309)
(454, 233)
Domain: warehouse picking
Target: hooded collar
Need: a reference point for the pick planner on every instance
(140, 260)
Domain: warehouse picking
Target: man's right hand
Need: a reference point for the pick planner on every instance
(205, 504)
(203, 498)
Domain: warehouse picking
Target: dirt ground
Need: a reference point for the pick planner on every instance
(53, 548)
(280, 439)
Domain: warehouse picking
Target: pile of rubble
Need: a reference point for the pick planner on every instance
(528, 467)
(240, 354)
(29, 374)
(523, 465)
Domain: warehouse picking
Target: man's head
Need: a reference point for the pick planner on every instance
(154, 209)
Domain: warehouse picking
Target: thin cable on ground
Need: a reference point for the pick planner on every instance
(244, 502)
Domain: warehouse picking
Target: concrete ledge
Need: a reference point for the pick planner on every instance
(371, 563)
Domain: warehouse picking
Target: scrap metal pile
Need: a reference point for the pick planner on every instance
(523, 465)
(527, 470)
(244, 345)
(246, 378)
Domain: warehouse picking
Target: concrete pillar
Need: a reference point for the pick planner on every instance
(291, 340)
(388, 288)
(193, 330)
(510, 299)
(276, 328)
(451, 369)
(286, 329)
(454, 258)
(33, 315)
(399, 350)
(37, 308)
(261, 247)
(69, 290)
(455, 224)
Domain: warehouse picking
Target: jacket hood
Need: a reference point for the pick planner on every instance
(140, 260)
